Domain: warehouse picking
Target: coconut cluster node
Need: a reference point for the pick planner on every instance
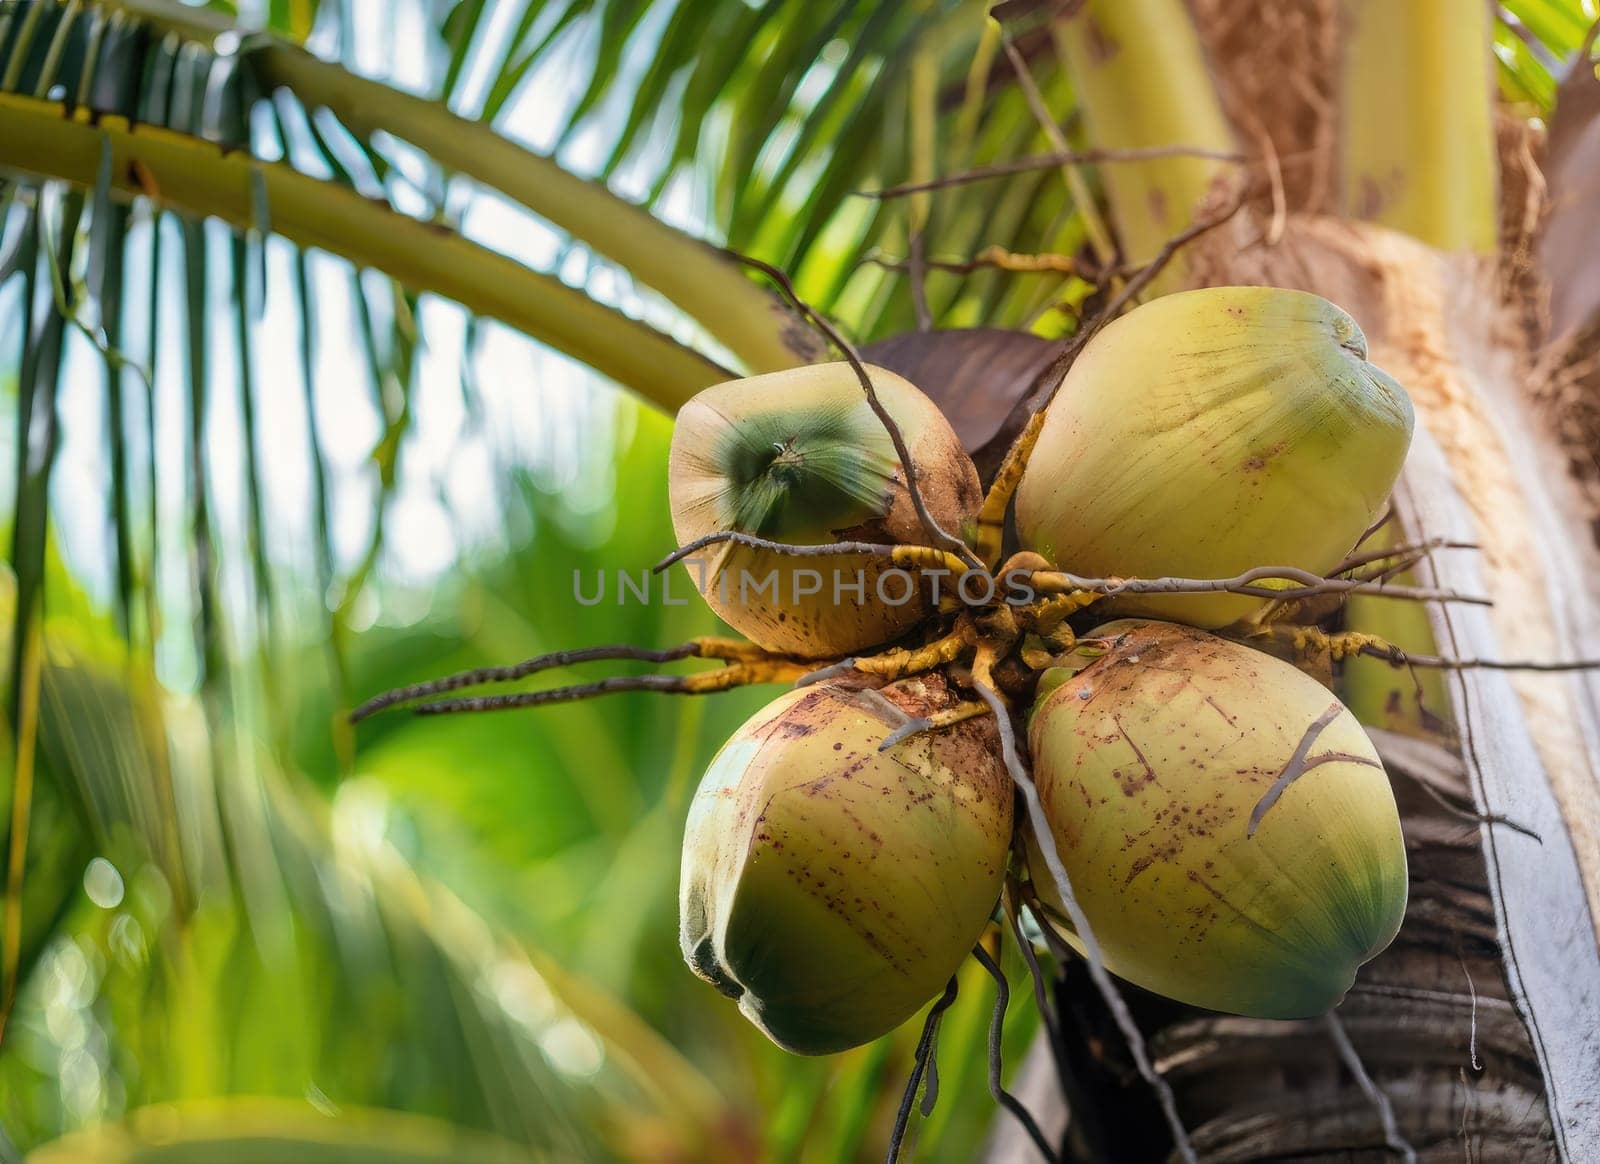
(1226, 829)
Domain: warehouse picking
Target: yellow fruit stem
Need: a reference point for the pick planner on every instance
(903, 661)
(769, 670)
(928, 558)
(1416, 117)
(992, 517)
(1048, 616)
(736, 650)
(990, 651)
(938, 721)
(960, 713)
(1309, 641)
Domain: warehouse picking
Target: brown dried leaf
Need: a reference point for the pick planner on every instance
(975, 375)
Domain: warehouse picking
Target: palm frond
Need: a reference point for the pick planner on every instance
(1534, 42)
(762, 133)
(250, 941)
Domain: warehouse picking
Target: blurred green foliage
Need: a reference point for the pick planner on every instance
(477, 923)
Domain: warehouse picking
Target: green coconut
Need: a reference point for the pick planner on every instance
(800, 457)
(833, 889)
(1205, 876)
(1209, 432)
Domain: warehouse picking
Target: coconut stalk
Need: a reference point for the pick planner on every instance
(200, 178)
(1115, 54)
(1502, 927)
(1409, 160)
(698, 279)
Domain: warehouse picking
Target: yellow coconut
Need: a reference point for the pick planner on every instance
(799, 457)
(1209, 432)
(1156, 762)
(832, 888)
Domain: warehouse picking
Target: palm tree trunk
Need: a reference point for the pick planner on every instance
(1480, 1026)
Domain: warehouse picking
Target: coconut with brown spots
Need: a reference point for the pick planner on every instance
(833, 888)
(1210, 432)
(799, 457)
(1225, 823)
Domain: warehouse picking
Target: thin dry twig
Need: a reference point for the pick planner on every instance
(997, 1022)
(1385, 569)
(1352, 1060)
(917, 268)
(1469, 814)
(1472, 1030)
(923, 724)
(1050, 161)
(1041, 991)
(1269, 153)
(751, 541)
(506, 674)
(1400, 658)
(828, 671)
(923, 1064)
(1249, 583)
(1301, 762)
(1363, 558)
(1080, 922)
(1382, 520)
(1081, 1140)
(703, 683)
(1041, 994)
(998, 258)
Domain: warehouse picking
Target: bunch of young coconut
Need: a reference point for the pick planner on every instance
(1223, 825)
